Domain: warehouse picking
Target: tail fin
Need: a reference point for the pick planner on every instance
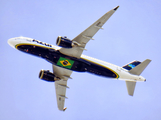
(131, 65)
(135, 68)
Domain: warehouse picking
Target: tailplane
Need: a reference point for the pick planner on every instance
(130, 87)
(135, 68)
(140, 68)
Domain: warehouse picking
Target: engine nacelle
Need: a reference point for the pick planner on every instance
(64, 42)
(47, 76)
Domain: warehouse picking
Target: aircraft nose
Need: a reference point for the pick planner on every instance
(12, 42)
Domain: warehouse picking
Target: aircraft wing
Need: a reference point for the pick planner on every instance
(61, 85)
(87, 35)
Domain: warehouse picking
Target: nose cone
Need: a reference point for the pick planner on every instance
(13, 42)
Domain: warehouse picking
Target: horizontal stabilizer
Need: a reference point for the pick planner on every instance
(139, 68)
(130, 87)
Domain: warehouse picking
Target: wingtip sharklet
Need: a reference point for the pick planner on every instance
(116, 8)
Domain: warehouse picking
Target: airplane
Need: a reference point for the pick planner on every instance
(67, 57)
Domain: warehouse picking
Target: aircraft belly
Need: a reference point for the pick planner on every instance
(55, 57)
(101, 71)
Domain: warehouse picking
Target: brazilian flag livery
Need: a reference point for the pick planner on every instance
(64, 62)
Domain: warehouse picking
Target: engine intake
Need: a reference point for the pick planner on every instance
(64, 42)
(47, 76)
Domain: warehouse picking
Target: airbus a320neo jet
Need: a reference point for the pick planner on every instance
(68, 58)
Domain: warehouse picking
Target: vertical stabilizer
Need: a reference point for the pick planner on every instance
(131, 65)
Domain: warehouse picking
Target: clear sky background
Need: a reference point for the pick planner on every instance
(132, 33)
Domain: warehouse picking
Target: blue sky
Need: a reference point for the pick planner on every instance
(132, 33)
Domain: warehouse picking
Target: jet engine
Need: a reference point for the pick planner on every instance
(47, 76)
(64, 42)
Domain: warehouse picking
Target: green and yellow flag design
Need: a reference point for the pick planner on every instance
(64, 62)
